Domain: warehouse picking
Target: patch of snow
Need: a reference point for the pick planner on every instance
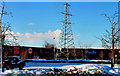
(92, 68)
(41, 68)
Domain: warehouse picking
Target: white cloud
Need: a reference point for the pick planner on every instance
(34, 37)
(31, 23)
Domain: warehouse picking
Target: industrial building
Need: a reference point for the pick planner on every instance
(48, 53)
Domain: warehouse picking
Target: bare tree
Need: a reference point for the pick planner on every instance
(7, 37)
(111, 38)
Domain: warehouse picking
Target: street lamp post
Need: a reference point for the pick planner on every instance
(54, 48)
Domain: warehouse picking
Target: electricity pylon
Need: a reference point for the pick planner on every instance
(66, 37)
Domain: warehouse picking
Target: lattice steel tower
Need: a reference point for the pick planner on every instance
(66, 38)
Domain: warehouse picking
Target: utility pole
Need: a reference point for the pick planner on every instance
(66, 38)
(1, 38)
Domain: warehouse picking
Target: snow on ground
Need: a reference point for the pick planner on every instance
(41, 68)
(93, 67)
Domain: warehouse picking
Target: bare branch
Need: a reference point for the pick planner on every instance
(110, 39)
(108, 32)
(116, 32)
(114, 16)
(108, 18)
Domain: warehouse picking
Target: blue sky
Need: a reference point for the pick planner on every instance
(42, 18)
